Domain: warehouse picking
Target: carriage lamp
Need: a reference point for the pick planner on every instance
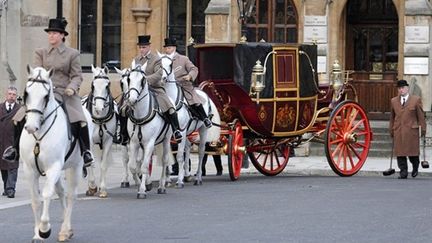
(257, 79)
(336, 76)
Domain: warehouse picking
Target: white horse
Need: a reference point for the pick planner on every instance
(103, 110)
(188, 123)
(46, 150)
(125, 149)
(146, 127)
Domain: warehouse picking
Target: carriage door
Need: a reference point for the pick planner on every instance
(372, 51)
(273, 21)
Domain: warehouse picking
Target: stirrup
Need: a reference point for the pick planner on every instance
(207, 122)
(88, 158)
(10, 154)
(177, 135)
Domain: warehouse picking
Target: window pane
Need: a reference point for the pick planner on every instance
(87, 43)
(291, 35)
(198, 20)
(111, 38)
(177, 22)
(279, 34)
(263, 12)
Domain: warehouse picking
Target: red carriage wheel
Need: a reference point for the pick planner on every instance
(235, 151)
(268, 157)
(347, 138)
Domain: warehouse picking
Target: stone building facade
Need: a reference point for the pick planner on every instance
(404, 49)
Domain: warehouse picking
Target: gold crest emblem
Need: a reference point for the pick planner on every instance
(285, 116)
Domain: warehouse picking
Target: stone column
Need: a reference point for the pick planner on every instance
(217, 22)
(141, 12)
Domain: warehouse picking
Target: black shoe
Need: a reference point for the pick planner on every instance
(10, 154)
(11, 194)
(402, 177)
(219, 173)
(177, 135)
(4, 194)
(414, 173)
(88, 158)
(207, 123)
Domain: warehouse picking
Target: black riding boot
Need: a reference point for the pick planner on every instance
(124, 135)
(84, 141)
(174, 124)
(202, 115)
(11, 153)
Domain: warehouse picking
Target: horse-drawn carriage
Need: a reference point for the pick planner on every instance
(269, 98)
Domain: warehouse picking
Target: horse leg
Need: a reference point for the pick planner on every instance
(52, 176)
(181, 162)
(92, 187)
(125, 160)
(188, 176)
(146, 183)
(72, 178)
(104, 168)
(133, 149)
(201, 151)
(166, 152)
(33, 180)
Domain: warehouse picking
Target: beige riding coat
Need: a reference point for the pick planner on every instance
(404, 125)
(153, 73)
(182, 66)
(67, 74)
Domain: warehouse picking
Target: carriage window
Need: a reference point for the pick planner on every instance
(105, 50)
(273, 21)
(178, 25)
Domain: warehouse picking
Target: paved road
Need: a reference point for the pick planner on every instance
(287, 208)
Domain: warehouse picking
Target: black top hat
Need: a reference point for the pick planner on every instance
(170, 42)
(402, 83)
(143, 40)
(58, 25)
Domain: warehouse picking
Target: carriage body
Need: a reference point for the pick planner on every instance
(271, 122)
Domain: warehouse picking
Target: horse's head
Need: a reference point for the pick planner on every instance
(100, 89)
(124, 81)
(167, 65)
(37, 94)
(137, 84)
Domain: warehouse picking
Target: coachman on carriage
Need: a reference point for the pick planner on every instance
(268, 98)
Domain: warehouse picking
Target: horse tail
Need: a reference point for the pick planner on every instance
(213, 133)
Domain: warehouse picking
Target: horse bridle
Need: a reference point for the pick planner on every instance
(108, 102)
(38, 79)
(168, 73)
(142, 82)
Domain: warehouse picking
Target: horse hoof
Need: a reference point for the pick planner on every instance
(141, 196)
(180, 185)
(65, 237)
(91, 191)
(188, 178)
(103, 194)
(198, 183)
(161, 191)
(45, 235)
(124, 185)
(149, 187)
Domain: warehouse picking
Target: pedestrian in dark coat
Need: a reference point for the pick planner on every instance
(9, 171)
(407, 116)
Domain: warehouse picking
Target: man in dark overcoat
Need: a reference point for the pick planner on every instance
(9, 171)
(407, 117)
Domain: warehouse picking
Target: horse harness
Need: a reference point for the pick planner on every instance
(153, 107)
(108, 102)
(36, 149)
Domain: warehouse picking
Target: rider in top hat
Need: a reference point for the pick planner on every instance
(186, 72)
(67, 79)
(407, 116)
(154, 78)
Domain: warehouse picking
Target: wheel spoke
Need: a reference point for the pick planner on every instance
(355, 152)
